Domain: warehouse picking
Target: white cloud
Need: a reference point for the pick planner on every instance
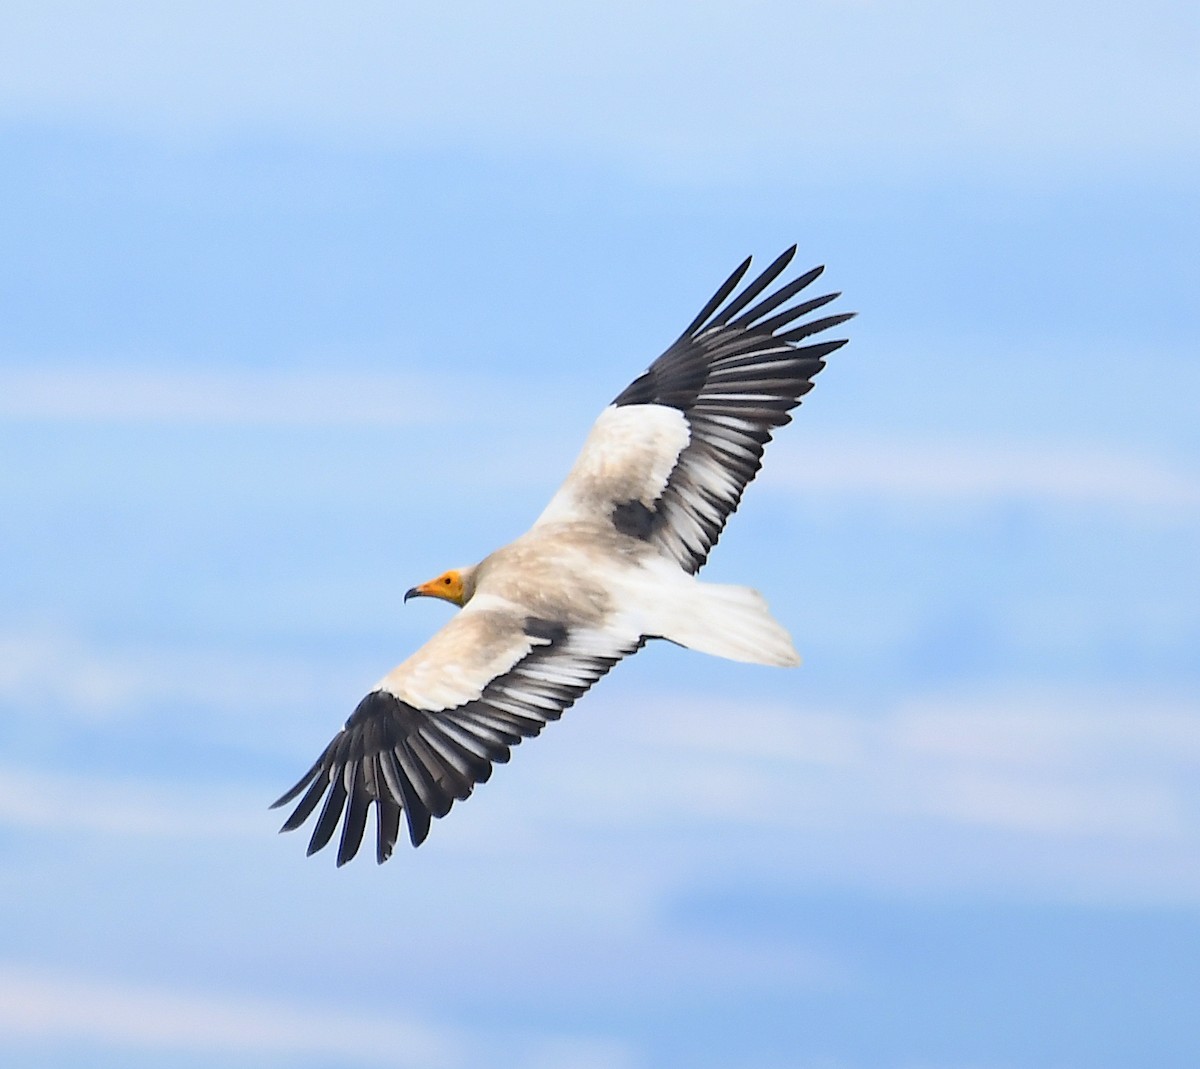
(899, 471)
(47, 1009)
(960, 471)
(1055, 764)
(1107, 778)
(51, 1008)
(1072, 795)
(731, 91)
(101, 684)
(32, 800)
(258, 398)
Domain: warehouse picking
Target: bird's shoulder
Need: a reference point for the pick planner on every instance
(625, 461)
(471, 649)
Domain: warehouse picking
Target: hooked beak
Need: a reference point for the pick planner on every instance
(447, 587)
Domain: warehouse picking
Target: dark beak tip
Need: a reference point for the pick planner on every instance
(413, 593)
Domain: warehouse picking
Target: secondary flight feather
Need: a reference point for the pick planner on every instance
(609, 564)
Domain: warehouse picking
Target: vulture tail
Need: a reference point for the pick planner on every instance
(727, 621)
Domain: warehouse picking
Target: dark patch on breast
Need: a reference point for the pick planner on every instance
(634, 519)
(548, 630)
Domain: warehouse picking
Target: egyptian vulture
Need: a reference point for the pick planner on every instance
(609, 564)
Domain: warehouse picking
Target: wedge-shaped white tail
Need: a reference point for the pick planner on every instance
(725, 620)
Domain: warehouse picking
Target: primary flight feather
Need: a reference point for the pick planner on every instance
(610, 563)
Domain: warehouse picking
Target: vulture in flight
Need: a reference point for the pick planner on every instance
(609, 564)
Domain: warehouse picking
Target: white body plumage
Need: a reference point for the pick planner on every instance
(608, 565)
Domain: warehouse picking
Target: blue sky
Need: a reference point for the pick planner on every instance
(301, 306)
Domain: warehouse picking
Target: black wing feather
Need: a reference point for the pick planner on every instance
(419, 763)
(735, 374)
(754, 289)
(359, 798)
(714, 302)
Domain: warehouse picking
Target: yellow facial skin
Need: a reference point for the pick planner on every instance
(448, 586)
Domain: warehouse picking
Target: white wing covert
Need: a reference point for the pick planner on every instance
(691, 430)
(404, 759)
